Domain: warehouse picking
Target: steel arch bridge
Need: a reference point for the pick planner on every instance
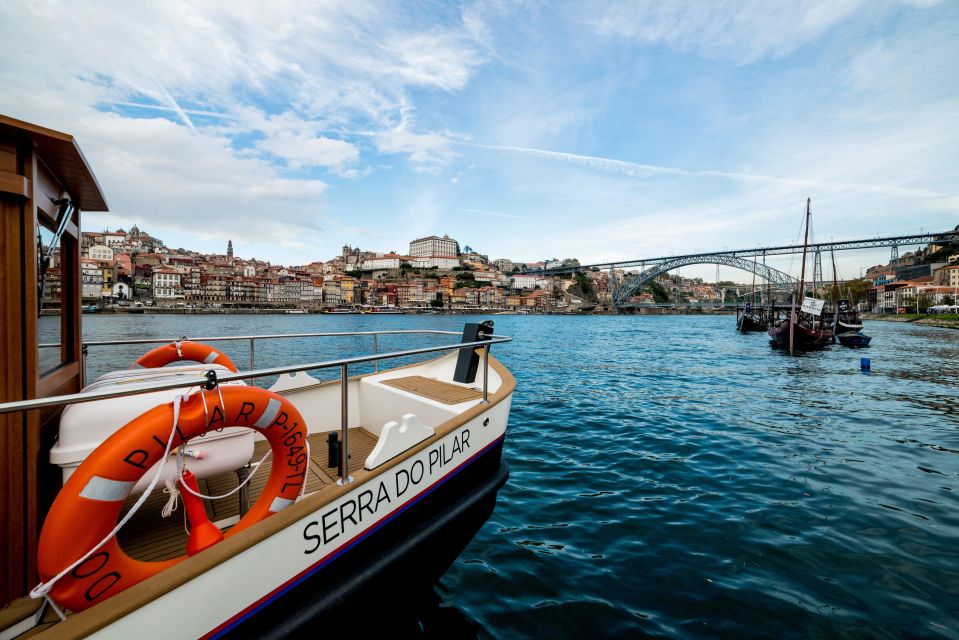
(779, 279)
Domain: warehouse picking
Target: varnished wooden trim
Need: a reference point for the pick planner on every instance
(14, 184)
(54, 379)
(126, 602)
(63, 153)
(35, 129)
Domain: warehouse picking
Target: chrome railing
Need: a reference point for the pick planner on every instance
(342, 363)
(269, 336)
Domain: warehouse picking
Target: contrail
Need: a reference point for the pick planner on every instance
(176, 107)
(156, 107)
(636, 169)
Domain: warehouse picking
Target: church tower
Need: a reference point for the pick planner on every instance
(229, 248)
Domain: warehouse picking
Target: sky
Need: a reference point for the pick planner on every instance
(525, 130)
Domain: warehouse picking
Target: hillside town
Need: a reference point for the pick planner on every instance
(132, 268)
(124, 268)
(926, 280)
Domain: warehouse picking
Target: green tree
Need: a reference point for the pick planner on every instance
(584, 287)
(858, 290)
(660, 295)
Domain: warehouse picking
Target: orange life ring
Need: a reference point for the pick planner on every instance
(88, 507)
(183, 350)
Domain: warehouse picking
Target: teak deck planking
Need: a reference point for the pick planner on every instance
(434, 389)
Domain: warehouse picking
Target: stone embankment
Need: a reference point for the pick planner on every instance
(945, 321)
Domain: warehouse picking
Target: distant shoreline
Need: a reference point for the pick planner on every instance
(924, 320)
(676, 311)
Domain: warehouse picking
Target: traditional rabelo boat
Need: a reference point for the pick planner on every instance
(847, 318)
(335, 496)
(751, 317)
(805, 328)
(846, 326)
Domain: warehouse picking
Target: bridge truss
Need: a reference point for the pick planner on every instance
(631, 284)
(946, 237)
(736, 258)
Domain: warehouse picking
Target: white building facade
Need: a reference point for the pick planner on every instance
(434, 246)
(388, 261)
(166, 283)
(531, 282)
(113, 238)
(440, 262)
(100, 252)
(92, 279)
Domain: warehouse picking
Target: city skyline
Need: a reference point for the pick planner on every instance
(525, 131)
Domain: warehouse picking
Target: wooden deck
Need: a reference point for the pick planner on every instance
(151, 537)
(434, 389)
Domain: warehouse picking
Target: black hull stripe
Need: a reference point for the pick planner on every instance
(228, 625)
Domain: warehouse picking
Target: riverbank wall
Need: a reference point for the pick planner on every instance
(948, 322)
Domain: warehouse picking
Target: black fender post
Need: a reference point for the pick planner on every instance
(468, 361)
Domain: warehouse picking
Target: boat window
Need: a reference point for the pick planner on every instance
(50, 296)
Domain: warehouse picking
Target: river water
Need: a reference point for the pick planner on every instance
(672, 477)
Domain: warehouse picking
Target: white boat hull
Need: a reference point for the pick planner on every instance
(220, 598)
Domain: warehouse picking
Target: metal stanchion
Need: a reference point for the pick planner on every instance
(252, 359)
(241, 475)
(486, 374)
(345, 477)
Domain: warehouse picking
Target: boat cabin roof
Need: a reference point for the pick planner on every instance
(62, 154)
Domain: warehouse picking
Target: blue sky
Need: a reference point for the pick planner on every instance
(526, 130)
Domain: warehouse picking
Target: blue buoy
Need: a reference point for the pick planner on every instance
(864, 364)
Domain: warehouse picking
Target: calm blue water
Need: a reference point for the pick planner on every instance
(673, 477)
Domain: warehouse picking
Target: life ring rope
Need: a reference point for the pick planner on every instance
(42, 590)
(96, 491)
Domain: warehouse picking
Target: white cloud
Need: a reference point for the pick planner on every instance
(204, 118)
(741, 30)
(305, 150)
(247, 90)
(160, 174)
(430, 59)
(430, 151)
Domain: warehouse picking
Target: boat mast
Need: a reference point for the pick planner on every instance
(805, 244)
(835, 297)
(802, 280)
